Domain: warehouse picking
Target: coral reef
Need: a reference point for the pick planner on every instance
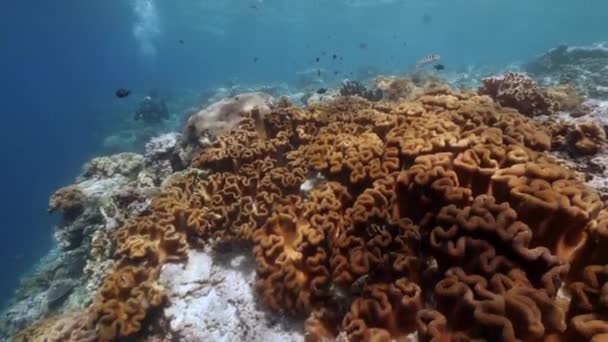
(578, 137)
(518, 91)
(397, 88)
(587, 138)
(224, 114)
(206, 125)
(69, 201)
(124, 164)
(581, 66)
(211, 299)
(353, 87)
(70, 326)
(566, 97)
(443, 217)
(108, 192)
(162, 155)
(316, 98)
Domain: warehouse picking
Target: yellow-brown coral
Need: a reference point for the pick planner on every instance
(587, 138)
(441, 216)
(67, 327)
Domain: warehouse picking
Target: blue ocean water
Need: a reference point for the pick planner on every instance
(61, 61)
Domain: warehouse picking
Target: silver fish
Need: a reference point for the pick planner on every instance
(428, 60)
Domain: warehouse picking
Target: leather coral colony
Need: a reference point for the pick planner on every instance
(440, 216)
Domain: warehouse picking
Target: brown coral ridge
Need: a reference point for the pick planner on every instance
(440, 216)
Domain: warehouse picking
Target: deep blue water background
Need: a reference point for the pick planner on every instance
(61, 61)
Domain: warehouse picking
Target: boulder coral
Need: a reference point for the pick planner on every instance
(520, 92)
(125, 164)
(442, 217)
(68, 201)
(224, 114)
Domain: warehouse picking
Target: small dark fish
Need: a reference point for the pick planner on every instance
(317, 59)
(363, 46)
(255, 59)
(322, 91)
(253, 7)
(404, 44)
(181, 41)
(439, 67)
(334, 56)
(336, 72)
(122, 92)
(319, 73)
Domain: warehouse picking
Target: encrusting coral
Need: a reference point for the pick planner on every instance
(442, 216)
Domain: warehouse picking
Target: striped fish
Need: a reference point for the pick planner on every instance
(428, 60)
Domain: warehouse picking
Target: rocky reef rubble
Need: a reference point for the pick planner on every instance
(109, 191)
(586, 67)
(353, 87)
(580, 140)
(162, 156)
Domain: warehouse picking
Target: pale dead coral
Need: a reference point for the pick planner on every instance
(396, 88)
(125, 164)
(224, 114)
(567, 97)
(162, 155)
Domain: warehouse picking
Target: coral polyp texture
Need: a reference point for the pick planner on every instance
(520, 92)
(442, 217)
